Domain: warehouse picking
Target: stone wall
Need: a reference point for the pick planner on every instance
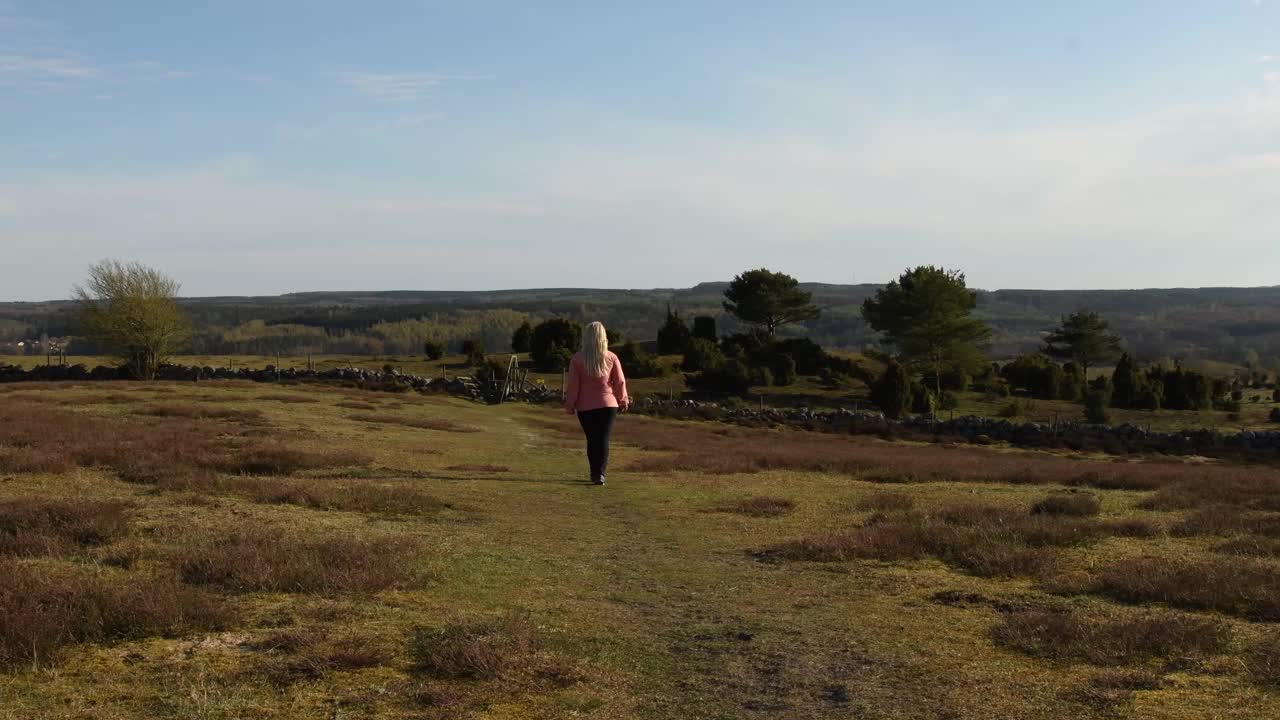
(1115, 439)
(375, 379)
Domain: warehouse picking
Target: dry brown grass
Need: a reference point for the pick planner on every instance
(1232, 585)
(1112, 688)
(478, 649)
(356, 405)
(1246, 487)
(310, 653)
(1151, 635)
(266, 457)
(196, 411)
(327, 494)
(984, 540)
(1262, 660)
(887, 502)
(44, 608)
(1071, 504)
(1228, 520)
(1251, 547)
(288, 398)
(479, 468)
(263, 559)
(760, 506)
(1131, 527)
(421, 423)
(178, 453)
(997, 559)
(44, 526)
(883, 541)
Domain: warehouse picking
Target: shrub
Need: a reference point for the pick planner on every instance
(434, 350)
(949, 401)
(673, 336)
(761, 376)
(1182, 389)
(732, 378)
(637, 363)
(1011, 409)
(704, 326)
(559, 359)
(553, 341)
(752, 346)
(1068, 504)
(474, 351)
(784, 370)
(482, 649)
(1095, 407)
(892, 391)
(701, 355)
(1036, 374)
(808, 355)
(522, 338)
(996, 391)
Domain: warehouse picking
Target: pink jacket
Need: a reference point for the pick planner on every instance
(584, 391)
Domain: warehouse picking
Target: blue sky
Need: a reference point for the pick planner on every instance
(267, 147)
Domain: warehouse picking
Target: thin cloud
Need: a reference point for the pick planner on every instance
(24, 70)
(36, 54)
(398, 87)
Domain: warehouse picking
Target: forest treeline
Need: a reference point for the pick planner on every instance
(1236, 325)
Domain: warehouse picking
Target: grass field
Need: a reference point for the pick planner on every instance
(232, 550)
(807, 391)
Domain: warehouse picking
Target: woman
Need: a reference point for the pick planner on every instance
(596, 390)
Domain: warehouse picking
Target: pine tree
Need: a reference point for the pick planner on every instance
(1084, 338)
(925, 314)
(769, 300)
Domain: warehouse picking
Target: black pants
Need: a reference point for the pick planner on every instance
(597, 424)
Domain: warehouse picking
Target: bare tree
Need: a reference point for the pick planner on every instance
(131, 309)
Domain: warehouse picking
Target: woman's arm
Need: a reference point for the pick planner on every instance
(571, 389)
(618, 382)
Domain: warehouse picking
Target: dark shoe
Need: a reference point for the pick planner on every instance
(598, 481)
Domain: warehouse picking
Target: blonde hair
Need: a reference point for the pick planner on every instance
(595, 350)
